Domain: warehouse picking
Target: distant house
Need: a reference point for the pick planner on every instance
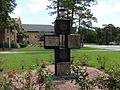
(33, 31)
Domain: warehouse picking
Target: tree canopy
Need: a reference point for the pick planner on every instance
(75, 9)
(6, 7)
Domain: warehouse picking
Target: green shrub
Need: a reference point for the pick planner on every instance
(15, 45)
(23, 44)
(81, 59)
(2, 60)
(1, 45)
(110, 80)
(102, 62)
(6, 45)
(81, 78)
(37, 77)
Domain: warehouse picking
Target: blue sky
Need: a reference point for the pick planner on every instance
(34, 12)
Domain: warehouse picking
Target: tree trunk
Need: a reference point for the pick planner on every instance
(72, 17)
(58, 15)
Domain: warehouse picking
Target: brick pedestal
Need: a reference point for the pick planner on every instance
(62, 68)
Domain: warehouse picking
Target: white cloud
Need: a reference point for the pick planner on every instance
(106, 8)
(102, 9)
(38, 5)
(116, 21)
(16, 13)
(117, 6)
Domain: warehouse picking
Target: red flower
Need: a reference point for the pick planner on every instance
(29, 80)
(8, 72)
(13, 72)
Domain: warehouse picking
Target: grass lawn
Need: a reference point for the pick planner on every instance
(16, 61)
(30, 48)
(38, 48)
(112, 57)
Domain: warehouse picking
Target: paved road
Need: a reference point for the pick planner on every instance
(104, 47)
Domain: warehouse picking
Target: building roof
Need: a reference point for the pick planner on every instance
(38, 27)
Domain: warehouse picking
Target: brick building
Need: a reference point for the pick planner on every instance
(33, 31)
(7, 36)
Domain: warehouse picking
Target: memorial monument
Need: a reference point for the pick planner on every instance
(62, 41)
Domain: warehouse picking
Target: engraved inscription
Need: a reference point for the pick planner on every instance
(51, 41)
(63, 54)
(74, 41)
(63, 26)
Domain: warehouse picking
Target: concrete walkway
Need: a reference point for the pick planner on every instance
(25, 52)
(53, 51)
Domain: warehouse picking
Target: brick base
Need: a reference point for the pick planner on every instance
(62, 68)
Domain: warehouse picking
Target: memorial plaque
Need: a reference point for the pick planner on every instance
(62, 55)
(74, 41)
(62, 26)
(51, 41)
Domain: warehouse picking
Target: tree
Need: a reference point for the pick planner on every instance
(107, 34)
(41, 34)
(11, 26)
(78, 11)
(75, 9)
(21, 33)
(6, 7)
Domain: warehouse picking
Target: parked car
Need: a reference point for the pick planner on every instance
(114, 43)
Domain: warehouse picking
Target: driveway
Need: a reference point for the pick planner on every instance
(104, 47)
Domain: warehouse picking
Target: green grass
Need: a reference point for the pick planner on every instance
(30, 48)
(112, 57)
(38, 48)
(88, 48)
(15, 61)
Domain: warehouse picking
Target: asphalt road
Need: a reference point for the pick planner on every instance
(111, 47)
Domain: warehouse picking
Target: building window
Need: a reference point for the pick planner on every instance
(7, 31)
(7, 40)
(28, 42)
